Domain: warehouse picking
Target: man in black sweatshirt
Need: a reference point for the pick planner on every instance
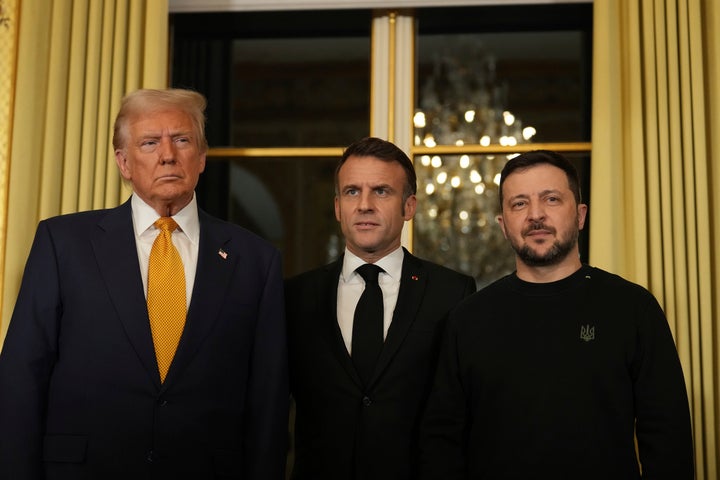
(554, 370)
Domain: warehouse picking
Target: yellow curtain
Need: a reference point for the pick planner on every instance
(655, 213)
(75, 60)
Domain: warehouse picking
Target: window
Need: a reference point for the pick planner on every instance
(288, 90)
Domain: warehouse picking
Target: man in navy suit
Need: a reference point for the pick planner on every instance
(81, 394)
(354, 421)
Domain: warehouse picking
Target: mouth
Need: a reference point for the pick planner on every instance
(365, 225)
(168, 177)
(539, 233)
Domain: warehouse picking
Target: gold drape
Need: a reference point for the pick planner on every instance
(75, 61)
(655, 215)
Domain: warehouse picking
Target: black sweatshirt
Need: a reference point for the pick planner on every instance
(549, 380)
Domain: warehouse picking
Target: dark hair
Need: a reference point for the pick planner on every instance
(142, 101)
(538, 157)
(385, 151)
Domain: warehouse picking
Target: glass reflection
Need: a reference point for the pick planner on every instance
(463, 102)
(455, 221)
(299, 91)
(287, 201)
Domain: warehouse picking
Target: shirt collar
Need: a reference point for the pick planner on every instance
(391, 263)
(144, 217)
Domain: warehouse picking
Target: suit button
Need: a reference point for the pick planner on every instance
(366, 401)
(150, 456)
(162, 402)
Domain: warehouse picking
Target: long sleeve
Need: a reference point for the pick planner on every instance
(443, 431)
(26, 363)
(663, 418)
(268, 391)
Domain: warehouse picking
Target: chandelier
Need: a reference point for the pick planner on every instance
(461, 102)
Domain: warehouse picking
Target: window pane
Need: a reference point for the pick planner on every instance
(489, 75)
(288, 201)
(300, 91)
(277, 79)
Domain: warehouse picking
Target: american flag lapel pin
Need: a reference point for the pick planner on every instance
(223, 254)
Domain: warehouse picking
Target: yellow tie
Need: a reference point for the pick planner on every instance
(167, 305)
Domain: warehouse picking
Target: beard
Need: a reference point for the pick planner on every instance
(556, 254)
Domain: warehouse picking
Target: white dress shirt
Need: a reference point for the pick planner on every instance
(186, 238)
(351, 286)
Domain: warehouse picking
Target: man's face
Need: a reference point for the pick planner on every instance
(162, 159)
(540, 217)
(370, 206)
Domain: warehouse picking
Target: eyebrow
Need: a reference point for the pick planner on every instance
(550, 191)
(386, 186)
(172, 134)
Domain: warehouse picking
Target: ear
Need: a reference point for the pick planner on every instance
(337, 208)
(123, 164)
(582, 215)
(203, 161)
(501, 221)
(410, 207)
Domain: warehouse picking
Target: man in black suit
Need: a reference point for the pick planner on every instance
(88, 389)
(357, 412)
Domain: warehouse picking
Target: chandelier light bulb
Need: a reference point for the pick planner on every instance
(528, 132)
(509, 118)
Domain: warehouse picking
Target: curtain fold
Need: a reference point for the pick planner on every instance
(8, 59)
(655, 203)
(76, 59)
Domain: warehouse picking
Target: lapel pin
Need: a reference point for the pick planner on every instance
(414, 277)
(223, 254)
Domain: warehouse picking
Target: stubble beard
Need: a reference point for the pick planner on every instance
(556, 254)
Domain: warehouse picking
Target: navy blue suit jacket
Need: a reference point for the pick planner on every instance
(80, 392)
(343, 430)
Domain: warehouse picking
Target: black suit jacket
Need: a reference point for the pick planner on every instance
(80, 392)
(345, 431)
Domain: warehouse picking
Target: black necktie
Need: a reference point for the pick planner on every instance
(367, 334)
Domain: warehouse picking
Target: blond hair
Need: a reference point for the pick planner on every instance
(150, 100)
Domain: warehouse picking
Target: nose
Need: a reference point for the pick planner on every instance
(536, 211)
(166, 151)
(365, 201)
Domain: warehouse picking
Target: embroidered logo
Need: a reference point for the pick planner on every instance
(587, 333)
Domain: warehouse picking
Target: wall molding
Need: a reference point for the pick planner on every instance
(179, 6)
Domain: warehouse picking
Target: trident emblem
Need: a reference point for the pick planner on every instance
(587, 333)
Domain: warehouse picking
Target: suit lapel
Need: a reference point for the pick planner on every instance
(328, 297)
(212, 281)
(115, 250)
(412, 285)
